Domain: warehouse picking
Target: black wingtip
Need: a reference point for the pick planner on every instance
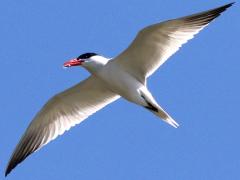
(204, 18)
(11, 165)
(8, 170)
(228, 5)
(223, 8)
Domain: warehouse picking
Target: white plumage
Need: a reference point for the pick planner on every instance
(123, 76)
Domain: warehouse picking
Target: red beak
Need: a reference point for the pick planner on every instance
(73, 62)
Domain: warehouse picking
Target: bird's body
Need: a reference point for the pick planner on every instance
(123, 76)
(130, 88)
(119, 81)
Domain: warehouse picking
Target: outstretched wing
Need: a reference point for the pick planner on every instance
(59, 114)
(156, 43)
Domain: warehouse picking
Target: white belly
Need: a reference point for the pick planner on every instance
(121, 82)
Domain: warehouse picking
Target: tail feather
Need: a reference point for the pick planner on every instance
(165, 117)
(153, 106)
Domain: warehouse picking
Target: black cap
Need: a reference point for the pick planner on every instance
(86, 55)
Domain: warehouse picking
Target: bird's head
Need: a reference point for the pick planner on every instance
(91, 61)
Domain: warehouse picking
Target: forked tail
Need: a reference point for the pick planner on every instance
(152, 106)
(165, 117)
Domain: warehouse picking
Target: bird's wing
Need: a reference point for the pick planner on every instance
(156, 43)
(59, 114)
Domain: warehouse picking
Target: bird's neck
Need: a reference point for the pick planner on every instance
(96, 65)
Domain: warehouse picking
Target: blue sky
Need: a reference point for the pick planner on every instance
(198, 86)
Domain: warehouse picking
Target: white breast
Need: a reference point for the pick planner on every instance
(120, 81)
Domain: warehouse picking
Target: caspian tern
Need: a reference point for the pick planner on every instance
(123, 76)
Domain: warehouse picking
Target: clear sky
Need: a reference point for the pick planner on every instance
(198, 86)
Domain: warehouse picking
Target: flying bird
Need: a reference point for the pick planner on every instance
(123, 76)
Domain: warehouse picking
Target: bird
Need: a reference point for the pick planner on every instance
(111, 78)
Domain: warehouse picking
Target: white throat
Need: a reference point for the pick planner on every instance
(95, 63)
